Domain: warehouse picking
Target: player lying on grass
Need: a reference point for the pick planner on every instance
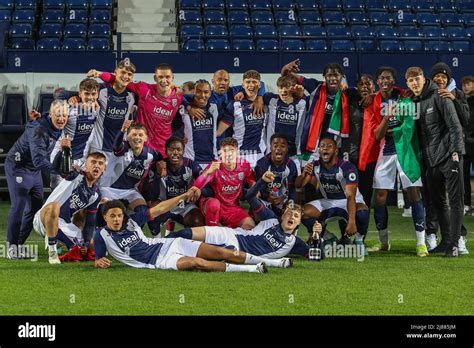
(337, 181)
(271, 238)
(69, 213)
(124, 240)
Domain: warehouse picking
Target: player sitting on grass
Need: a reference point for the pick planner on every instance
(69, 213)
(227, 178)
(124, 240)
(131, 162)
(271, 238)
(276, 194)
(337, 181)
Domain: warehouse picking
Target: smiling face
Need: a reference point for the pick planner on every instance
(164, 79)
(279, 150)
(59, 115)
(441, 80)
(290, 219)
(123, 77)
(95, 166)
(136, 138)
(251, 87)
(284, 92)
(114, 219)
(221, 81)
(416, 84)
(333, 80)
(386, 81)
(89, 97)
(327, 150)
(175, 153)
(365, 86)
(202, 93)
(468, 88)
(229, 155)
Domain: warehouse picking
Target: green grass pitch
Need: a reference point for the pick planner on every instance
(394, 283)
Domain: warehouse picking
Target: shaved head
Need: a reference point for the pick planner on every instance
(221, 81)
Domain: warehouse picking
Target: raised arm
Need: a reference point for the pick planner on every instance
(256, 205)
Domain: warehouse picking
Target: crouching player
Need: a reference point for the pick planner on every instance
(337, 181)
(271, 238)
(226, 179)
(69, 213)
(123, 239)
(131, 162)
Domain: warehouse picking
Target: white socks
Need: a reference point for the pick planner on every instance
(253, 260)
(420, 237)
(229, 267)
(359, 237)
(53, 248)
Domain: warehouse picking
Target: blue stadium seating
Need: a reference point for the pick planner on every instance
(342, 32)
(353, 5)
(357, 18)
(307, 5)
(285, 17)
(468, 19)
(331, 5)
(189, 4)
(316, 45)
(238, 17)
(77, 4)
(456, 32)
(387, 33)
(342, 45)
(214, 16)
(243, 45)
(409, 32)
(289, 30)
(53, 16)
(397, 5)
(413, 46)
(100, 16)
(213, 4)
(376, 5)
(23, 44)
(428, 19)
(237, 5)
(51, 31)
(217, 45)
(48, 44)
(77, 16)
(193, 45)
(470, 32)
(334, 18)
(466, 6)
(445, 6)
(310, 17)
(25, 4)
(216, 31)
(5, 16)
(7, 4)
(434, 32)
(190, 16)
(101, 5)
(99, 31)
(363, 32)
(74, 44)
(267, 45)
(191, 31)
(292, 45)
(461, 46)
(96, 44)
(380, 18)
(23, 16)
(314, 30)
(283, 4)
(21, 31)
(54, 5)
(424, 6)
(365, 45)
(438, 46)
(260, 4)
(265, 31)
(390, 46)
(451, 19)
(409, 19)
(262, 17)
(241, 31)
(75, 31)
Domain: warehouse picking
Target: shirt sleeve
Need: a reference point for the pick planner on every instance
(261, 90)
(269, 96)
(99, 245)
(201, 181)
(120, 146)
(310, 84)
(351, 175)
(250, 176)
(291, 181)
(300, 248)
(256, 204)
(229, 114)
(38, 140)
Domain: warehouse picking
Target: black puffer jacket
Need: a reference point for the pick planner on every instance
(439, 128)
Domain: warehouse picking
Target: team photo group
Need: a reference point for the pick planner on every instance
(227, 177)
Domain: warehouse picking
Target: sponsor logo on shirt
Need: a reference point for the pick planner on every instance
(203, 124)
(284, 117)
(128, 242)
(271, 239)
(230, 188)
(85, 128)
(331, 188)
(116, 113)
(160, 111)
(135, 172)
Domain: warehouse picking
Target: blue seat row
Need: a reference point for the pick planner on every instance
(57, 31)
(71, 44)
(57, 4)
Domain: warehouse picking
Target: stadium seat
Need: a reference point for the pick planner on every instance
(353, 5)
(214, 17)
(316, 45)
(310, 17)
(45, 97)
(7, 4)
(75, 30)
(308, 5)
(365, 45)
(53, 16)
(54, 5)
(14, 109)
(99, 31)
(397, 5)
(265, 31)
(413, 46)
(330, 5)
(77, 16)
(445, 6)
(405, 19)
(101, 5)
(461, 46)
(26, 5)
(23, 16)
(96, 44)
(292, 45)
(390, 46)
(289, 30)
(237, 5)
(74, 44)
(241, 31)
(216, 31)
(243, 45)
(285, 17)
(190, 31)
(22, 44)
(190, 16)
(100, 16)
(433, 32)
(260, 4)
(380, 18)
(189, 4)
(267, 45)
(468, 19)
(342, 45)
(314, 30)
(238, 17)
(470, 32)
(428, 19)
(465, 6)
(357, 18)
(438, 46)
(48, 44)
(342, 32)
(334, 18)
(456, 32)
(5, 16)
(213, 4)
(51, 30)
(77, 4)
(193, 45)
(376, 5)
(424, 6)
(409, 32)
(283, 4)
(217, 45)
(451, 19)
(387, 33)
(262, 17)
(21, 31)
(363, 32)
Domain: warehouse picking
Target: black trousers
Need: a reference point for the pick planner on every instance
(467, 160)
(366, 180)
(444, 183)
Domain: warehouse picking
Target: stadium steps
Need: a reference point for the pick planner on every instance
(147, 25)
